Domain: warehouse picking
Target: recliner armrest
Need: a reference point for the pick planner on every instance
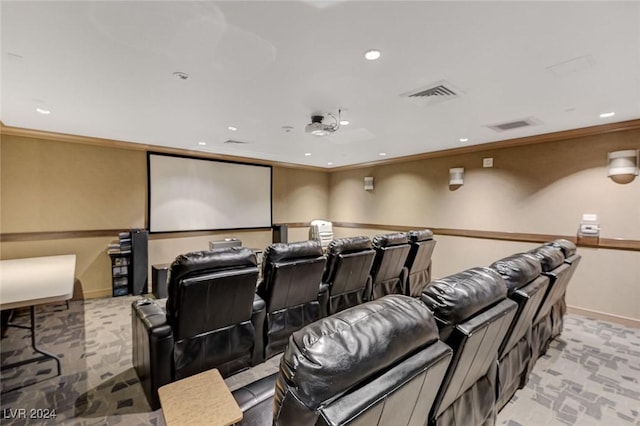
(258, 317)
(323, 299)
(152, 347)
(256, 401)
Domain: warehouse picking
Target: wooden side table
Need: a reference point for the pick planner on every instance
(200, 399)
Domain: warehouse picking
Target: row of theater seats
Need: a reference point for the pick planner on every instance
(454, 356)
(216, 317)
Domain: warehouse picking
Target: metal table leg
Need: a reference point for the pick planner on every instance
(45, 354)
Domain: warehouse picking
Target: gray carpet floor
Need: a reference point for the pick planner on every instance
(590, 375)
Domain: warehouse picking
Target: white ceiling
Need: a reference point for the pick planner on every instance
(105, 69)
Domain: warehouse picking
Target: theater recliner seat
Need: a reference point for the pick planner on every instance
(291, 287)
(388, 273)
(473, 316)
(525, 286)
(572, 258)
(419, 261)
(213, 319)
(553, 266)
(379, 363)
(347, 276)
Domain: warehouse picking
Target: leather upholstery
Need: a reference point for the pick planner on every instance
(473, 316)
(388, 273)
(521, 273)
(292, 274)
(559, 273)
(349, 261)
(419, 261)
(567, 247)
(517, 270)
(376, 363)
(211, 319)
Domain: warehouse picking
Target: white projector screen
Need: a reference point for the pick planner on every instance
(195, 194)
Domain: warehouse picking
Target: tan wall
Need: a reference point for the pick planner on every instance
(57, 186)
(541, 189)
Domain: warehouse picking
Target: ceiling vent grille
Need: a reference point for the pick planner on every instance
(232, 141)
(439, 91)
(517, 124)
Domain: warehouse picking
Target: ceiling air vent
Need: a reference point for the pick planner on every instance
(434, 93)
(517, 124)
(232, 141)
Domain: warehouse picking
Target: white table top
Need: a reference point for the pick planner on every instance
(36, 280)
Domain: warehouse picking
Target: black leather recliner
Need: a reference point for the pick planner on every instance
(347, 276)
(291, 288)
(552, 262)
(419, 261)
(572, 258)
(379, 363)
(388, 273)
(473, 316)
(213, 319)
(525, 286)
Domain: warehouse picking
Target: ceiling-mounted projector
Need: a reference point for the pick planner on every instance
(318, 128)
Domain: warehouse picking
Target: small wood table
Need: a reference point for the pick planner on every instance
(200, 399)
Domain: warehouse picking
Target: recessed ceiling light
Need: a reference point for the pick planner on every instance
(383, 154)
(329, 163)
(232, 128)
(607, 114)
(464, 139)
(344, 122)
(202, 143)
(307, 154)
(43, 111)
(372, 54)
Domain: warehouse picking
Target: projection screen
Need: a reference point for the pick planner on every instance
(195, 194)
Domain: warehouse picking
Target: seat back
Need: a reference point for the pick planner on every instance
(388, 273)
(553, 266)
(209, 305)
(379, 363)
(419, 261)
(521, 273)
(473, 316)
(292, 273)
(349, 261)
(322, 231)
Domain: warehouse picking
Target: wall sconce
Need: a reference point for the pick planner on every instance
(368, 183)
(623, 165)
(456, 177)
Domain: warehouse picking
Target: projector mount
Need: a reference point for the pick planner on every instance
(318, 128)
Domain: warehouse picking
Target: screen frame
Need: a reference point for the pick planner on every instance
(214, 160)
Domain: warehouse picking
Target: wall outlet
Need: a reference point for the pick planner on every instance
(487, 162)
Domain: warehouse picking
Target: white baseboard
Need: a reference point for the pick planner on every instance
(629, 322)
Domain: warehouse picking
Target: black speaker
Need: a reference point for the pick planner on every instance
(139, 261)
(280, 233)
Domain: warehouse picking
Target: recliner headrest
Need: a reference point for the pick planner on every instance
(330, 356)
(211, 260)
(567, 247)
(279, 252)
(423, 235)
(458, 297)
(347, 245)
(517, 270)
(550, 258)
(393, 239)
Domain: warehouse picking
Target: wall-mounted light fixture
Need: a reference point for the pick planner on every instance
(368, 183)
(456, 176)
(623, 165)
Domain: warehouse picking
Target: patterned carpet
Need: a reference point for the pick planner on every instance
(590, 376)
